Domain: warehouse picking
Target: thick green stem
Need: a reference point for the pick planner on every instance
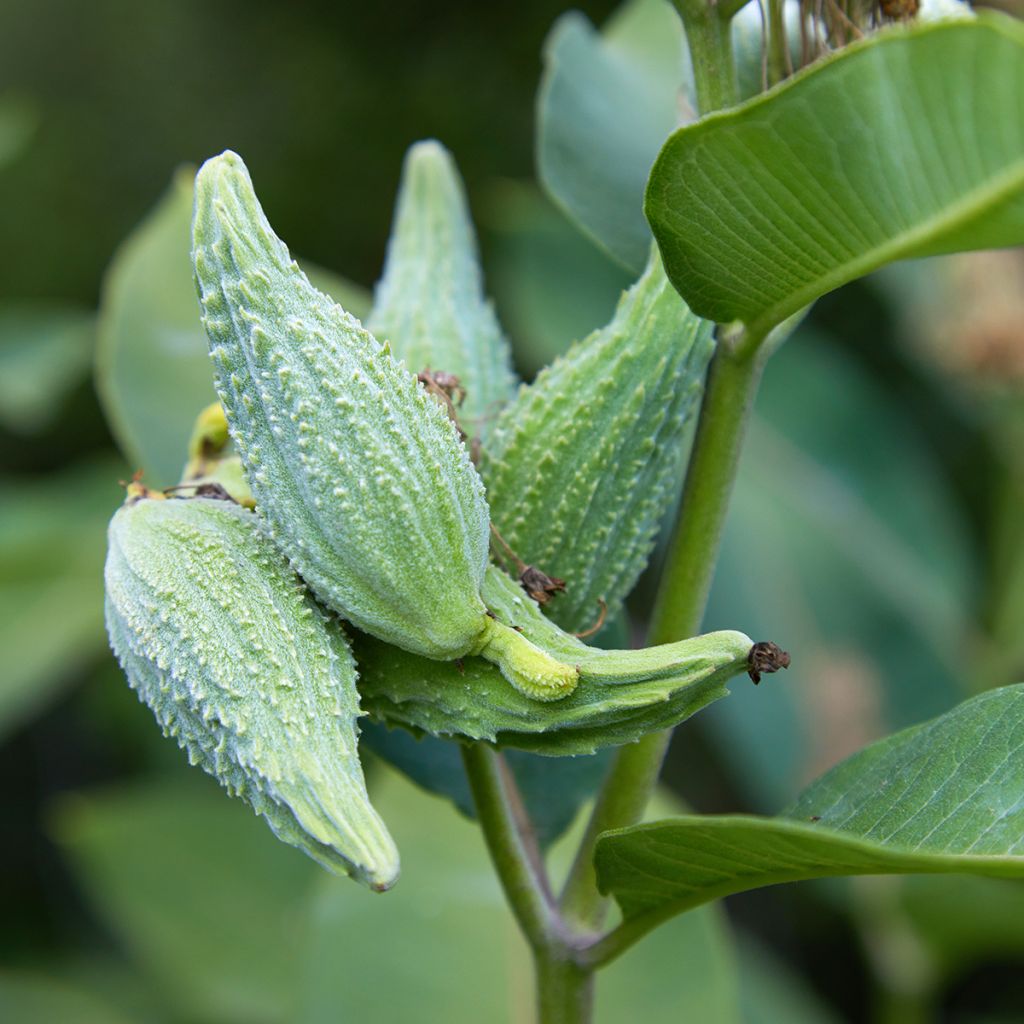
(565, 993)
(518, 866)
(686, 579)
(710, 41)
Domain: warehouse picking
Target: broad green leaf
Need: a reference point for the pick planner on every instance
(842, 513)
(430, 303)
(200, 892)
(606, 103)
(550, 284)
(35, 998)
(153, 370)
(909, 143)
(583, 465)
(621, 695)
(941, 797)
(51, 591)
(44, 353)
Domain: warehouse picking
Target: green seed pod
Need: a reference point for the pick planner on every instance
(223, 642)
(581, 468)
(621, 696)
(429, 304)
(359, 474)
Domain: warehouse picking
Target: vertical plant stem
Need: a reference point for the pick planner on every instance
(565, 993)
(518, 871)
(686, 579)
(710, 41)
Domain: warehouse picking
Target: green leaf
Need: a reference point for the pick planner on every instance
(939, 797)
(51, 589)
(583, 465)
(200, 892)
(606, 103)
(153, 369)
(44, 353)
(429, 303)
(907, 144)
(621, 694)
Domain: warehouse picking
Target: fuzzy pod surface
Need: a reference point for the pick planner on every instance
(429, 303)
(582, 467)
(359, 474)
(220, 638)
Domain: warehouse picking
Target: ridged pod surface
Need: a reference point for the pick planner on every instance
(359, 474)
(581, 468)
(238, 664)
(621, 696)
(429, 304)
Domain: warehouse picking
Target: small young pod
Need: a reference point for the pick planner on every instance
(239, 665)
(430, 304)
(359, 474)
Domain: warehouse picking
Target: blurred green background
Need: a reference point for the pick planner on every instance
(877, 532)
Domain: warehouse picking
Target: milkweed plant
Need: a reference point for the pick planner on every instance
(379, 519)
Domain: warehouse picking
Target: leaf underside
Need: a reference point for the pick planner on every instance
(908, 144)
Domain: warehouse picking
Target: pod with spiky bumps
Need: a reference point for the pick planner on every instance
(358, 473)
(581, 468)
(430, 304)
(238, 664)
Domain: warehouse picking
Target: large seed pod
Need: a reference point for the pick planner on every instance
(583, 465)
(429, 304)
(358, 472)
(621, 696)
(223, 642)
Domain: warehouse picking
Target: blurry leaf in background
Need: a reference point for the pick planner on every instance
(964, 921)
(19, 119)
(31, 998)
(772, 993)
(51, 582)
(907, 144)
(607, 102)
(551, 286)
(153, 369)
(906, 804)
(962, 319)
(375, 958)
(206, 901)
(44, 353)
(553, 788)
(845, 546)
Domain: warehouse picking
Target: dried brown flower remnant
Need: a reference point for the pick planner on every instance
(539, 585)
(765, 657)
